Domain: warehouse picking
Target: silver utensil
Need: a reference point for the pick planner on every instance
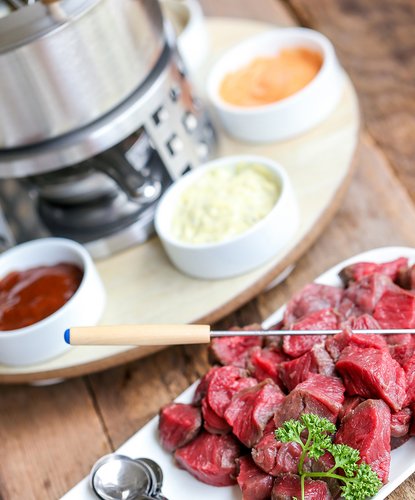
(158, 475)
(117, 477)
(182, 334)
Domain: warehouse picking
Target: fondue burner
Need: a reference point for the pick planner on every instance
(98, 119)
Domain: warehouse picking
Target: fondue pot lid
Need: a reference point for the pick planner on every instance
(66, 64)
(33, 20)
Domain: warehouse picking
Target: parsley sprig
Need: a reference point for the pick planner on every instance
(314, 435)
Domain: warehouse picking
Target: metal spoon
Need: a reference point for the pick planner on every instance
(158, 475)
(117, 477)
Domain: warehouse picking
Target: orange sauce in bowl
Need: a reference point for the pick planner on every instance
(266, 80)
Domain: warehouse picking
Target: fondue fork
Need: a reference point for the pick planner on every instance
(157, 335)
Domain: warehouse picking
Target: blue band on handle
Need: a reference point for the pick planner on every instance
(67, 336)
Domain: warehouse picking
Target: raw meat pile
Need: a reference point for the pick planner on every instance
(363, 383)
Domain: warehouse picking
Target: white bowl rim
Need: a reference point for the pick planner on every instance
(229, 161)
(328, 54)
(59, 243)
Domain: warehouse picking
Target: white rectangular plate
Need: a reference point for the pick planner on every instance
(179, 485)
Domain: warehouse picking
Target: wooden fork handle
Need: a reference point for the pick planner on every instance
(140, 335)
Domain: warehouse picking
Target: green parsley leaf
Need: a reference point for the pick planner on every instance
(290, 431)
(314, 434)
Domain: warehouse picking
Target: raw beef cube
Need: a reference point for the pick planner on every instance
(373, 373)
(336, 344)
(317, 360)
(362, 296)
(275, 457)
(255, 484)
(288, 486)
(397, 442)
(212, 422)
(402, 353)
(234, 350)
(265, 452)
(178, 424)
(400, 422)
(409, 368)
(350, 403)
(311, 298)
(363, 322)
(368, 429)
(398, 339)
(287, 459)
(396, 309)
(251, 409)
(224, 383)
(210, 458)
(355, 272)
(412, 428)
(406, 278)
(201, 389)
(297, 345)
(319, 394)
(263, 363)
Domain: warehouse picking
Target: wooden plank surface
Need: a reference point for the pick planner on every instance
(50, 436)
(375, 41)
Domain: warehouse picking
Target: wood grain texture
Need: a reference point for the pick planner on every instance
(49, 436)
(376, 44)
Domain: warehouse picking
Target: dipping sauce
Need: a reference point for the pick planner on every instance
(224, 202)
(29, 296)
(269, 79)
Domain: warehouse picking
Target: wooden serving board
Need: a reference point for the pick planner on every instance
(142, 285)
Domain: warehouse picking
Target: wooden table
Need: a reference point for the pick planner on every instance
(50, 436)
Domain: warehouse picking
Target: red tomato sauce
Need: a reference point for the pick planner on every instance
(29, 296)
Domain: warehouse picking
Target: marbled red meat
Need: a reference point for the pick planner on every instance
(234, 350)
(287, 459)
(297, 345)
(319, 394)
(406, 278)
(397, 442)
(350, 403)
(357, 271)
(178, 424)
(255, 484)
(264, 453)
(317, 360)
(313, 297)
(288, 486)
(251, 409)
(363, 322)
(212, 422)
(210, 458)
(396, 309)
(402, 353)
(264, 363)
(202, 387)
(224, 383)
(412, 427)
(337, 343)
(368, 429)
(400, 422)
(362, 296)
(372, 373)
(409, 368)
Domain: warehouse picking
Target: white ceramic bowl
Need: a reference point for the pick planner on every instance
(238, 254)
(45, 339)
(290, 116)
